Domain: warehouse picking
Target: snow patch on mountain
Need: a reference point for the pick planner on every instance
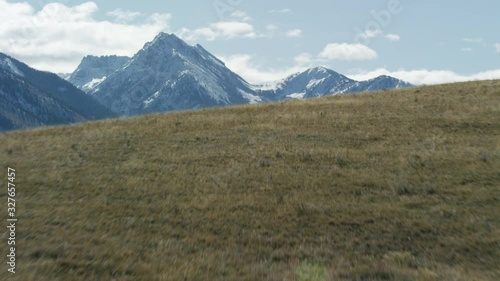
(266, 87)
(315, 82)
(296, 96)
(94, 83)
(7, 64)
(252, 99)
(151, 99)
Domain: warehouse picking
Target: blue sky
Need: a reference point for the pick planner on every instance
(421, 41)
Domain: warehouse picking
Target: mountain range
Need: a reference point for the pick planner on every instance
(167, 74)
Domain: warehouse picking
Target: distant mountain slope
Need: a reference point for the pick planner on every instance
(321, 81)
(168, 74)
(314, 82)
(31, 98)
(380, 83)
(93, 70)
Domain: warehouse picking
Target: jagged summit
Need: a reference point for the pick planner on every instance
(166, 40)
(167, 36)
(93, 70)
(100, 61)
(91, 59)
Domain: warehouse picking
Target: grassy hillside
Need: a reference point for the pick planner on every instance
(397, 185)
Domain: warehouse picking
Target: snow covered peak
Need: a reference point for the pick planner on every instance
(319, 69)
(166, 36)
(320, 72)
(301, 82)
(165, 40)
(321, 81)
(313, 82)
(169, 74)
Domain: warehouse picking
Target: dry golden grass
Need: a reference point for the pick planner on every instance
(397, 185)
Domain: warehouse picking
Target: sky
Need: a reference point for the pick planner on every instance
(419, 41)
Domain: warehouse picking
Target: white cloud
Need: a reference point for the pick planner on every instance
(466, 49)
(123, 16)
(234, 29)
(393, 37)
(370, 34)
(240, 15)
(294, 33)
(347, 52)
(13, 11)
(477, 40)
(497, 47)
(426, 77)
(282, 11)
(56, 37)
(223, 29)
(244, 65)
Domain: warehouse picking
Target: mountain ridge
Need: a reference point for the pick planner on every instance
(169, 74)
(321, 81)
